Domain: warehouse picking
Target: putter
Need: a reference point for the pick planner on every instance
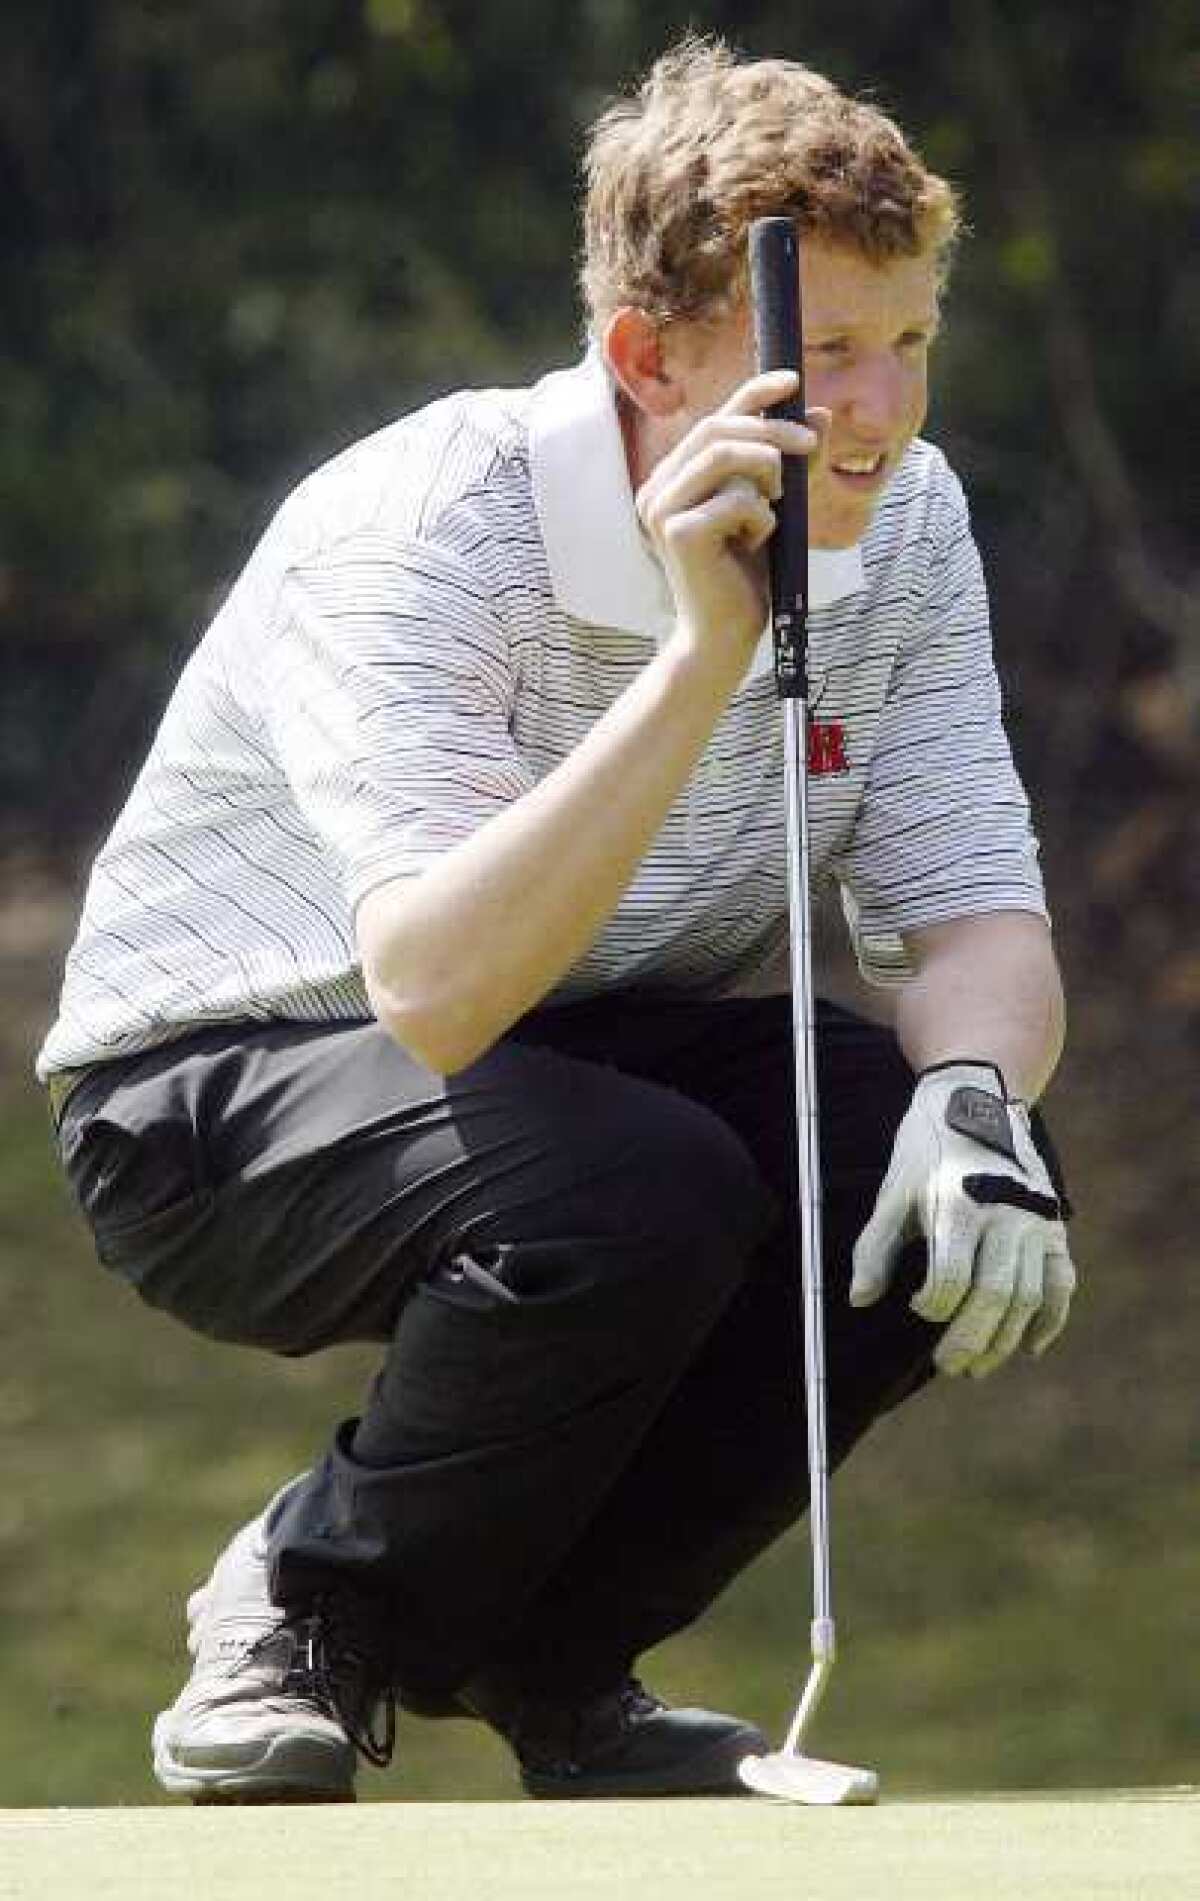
(788, 1774)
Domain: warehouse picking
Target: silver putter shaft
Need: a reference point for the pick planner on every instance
(788, 1774)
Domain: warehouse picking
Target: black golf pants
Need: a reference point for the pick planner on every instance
(581, 1258)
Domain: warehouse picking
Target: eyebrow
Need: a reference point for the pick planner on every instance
(930, 321)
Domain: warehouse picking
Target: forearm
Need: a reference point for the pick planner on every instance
(455, 957)
(986, 987)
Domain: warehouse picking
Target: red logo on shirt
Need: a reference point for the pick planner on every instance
(826, 748)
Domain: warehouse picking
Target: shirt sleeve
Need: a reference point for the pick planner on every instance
(944, 828)
(387, 690)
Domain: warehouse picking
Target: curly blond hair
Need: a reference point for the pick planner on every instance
(710, 141)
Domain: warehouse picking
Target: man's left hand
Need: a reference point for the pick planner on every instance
(967, 1174)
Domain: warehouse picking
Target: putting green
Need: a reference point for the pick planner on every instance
(1138, 1846)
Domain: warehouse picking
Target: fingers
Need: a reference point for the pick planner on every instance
(1056, 1297)
(753, 407)
(998, 1274)
(878, 1247)
(707, 508)
(996, 1278)
(721, 449)
(769, 389)
(953, 1224)
(1006, 1292)
(1020, 1293)
(740, 421)
(737, 512)
(760, 392)
(715, 465)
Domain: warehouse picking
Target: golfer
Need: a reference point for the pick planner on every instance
(430, 989)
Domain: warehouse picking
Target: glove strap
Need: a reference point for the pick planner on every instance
(1001, 1190)
(968, 1062)
(983, 1117)
(1049, 1155)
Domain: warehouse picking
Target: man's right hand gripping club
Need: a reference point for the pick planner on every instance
(968, 1174)
(707, 508)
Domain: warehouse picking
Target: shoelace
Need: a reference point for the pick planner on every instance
(331, 1664)
(560, 1738)
(637, 1700)
(340, 1672)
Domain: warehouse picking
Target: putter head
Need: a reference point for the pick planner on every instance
(794, 1778)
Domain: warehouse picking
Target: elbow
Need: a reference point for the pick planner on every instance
(441, 1037)
(440, 1004)
(423, 1000)
(436, 1045)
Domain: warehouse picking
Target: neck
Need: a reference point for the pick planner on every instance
(646, 439)
(631, 420)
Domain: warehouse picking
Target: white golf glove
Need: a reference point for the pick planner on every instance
(967, 1174)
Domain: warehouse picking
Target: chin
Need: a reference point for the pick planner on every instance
(843, 526)
(845, 535)
(838, 519)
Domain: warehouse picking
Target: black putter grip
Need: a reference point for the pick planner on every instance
(779, 342)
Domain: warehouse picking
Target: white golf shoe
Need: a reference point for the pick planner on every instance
(259, 1720)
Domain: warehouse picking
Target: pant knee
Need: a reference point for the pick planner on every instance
(695, 1197)
(717, 1186)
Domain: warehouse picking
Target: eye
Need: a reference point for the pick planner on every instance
(830, 349)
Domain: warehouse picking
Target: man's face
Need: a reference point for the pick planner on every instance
(867, 332)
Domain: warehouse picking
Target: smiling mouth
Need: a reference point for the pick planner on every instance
(861, 471)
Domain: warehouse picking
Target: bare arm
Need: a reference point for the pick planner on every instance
(986, 987)
(452, 958)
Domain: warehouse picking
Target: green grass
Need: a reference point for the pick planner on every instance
(1099, 1848)
(1016, 1579)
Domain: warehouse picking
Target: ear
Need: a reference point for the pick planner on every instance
(632, 346)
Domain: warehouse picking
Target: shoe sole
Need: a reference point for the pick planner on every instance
(714, 1772)
(288, 1769)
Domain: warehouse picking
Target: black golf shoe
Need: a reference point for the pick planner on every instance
(625, 1742)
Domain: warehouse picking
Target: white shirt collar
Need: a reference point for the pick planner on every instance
(601, 566)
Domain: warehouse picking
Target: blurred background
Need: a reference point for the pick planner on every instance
(236, 236)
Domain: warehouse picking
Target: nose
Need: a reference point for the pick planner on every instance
(875, 401)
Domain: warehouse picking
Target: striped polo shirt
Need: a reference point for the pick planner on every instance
(430, 624)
